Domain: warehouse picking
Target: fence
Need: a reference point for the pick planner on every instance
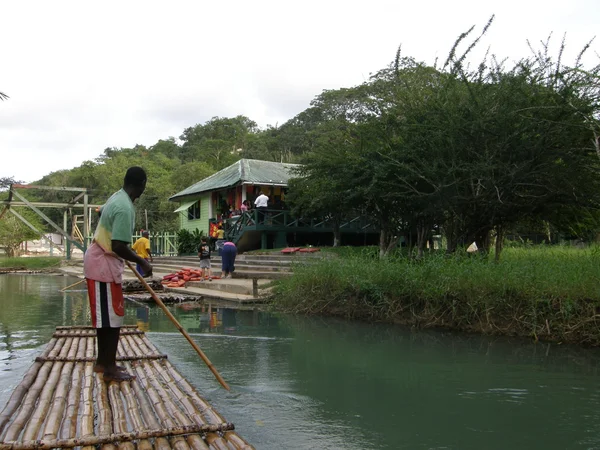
(161, 244)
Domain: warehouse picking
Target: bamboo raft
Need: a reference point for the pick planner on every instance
(62, 403)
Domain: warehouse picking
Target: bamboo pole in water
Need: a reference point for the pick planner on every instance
(179, 327)
(72, 285)
(100, 440)
(22, 389)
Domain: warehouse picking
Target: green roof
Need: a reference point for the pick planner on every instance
(245, 171)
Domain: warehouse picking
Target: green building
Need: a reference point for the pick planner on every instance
(208, 202)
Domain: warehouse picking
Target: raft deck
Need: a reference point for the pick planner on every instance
(62, 403)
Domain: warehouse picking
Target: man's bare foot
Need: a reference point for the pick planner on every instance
(118, 376)
(99, 368)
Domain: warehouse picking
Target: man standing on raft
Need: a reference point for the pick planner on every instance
(103, 268)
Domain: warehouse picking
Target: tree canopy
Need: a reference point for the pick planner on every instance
(470, 151)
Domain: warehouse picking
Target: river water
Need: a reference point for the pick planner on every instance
(312, 383)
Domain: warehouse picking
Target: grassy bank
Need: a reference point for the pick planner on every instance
(548, 293)
(34, 263)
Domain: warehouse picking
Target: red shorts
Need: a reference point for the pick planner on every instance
(106, 304)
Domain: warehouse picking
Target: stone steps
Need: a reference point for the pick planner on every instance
(239, 288)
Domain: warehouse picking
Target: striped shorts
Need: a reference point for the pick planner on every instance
(106, 304)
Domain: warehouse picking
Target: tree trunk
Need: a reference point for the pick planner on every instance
(499, 242)
(482, 240)
(337, 234)
(386, 243)
(422, 233)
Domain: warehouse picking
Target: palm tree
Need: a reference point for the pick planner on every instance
(3, 96)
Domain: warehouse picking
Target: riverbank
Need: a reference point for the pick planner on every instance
(546, 293)
(35, 263)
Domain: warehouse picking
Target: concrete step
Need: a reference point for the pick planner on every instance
(216, 267)
(216, 295)
(231, 285)
(270, 258)
(261, 275)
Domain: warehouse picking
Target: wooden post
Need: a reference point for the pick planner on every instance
(255, 287)
(67, 253)
(85, 222)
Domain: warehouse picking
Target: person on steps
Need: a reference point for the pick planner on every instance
(204, 255)
(228, 255)
(142, 249)
(103, 268)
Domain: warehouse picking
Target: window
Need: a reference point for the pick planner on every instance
(194, 211)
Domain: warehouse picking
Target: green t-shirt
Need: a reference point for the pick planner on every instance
(117, 220)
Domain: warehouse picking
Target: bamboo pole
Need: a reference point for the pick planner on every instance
(72, 285)
(99, 440)
(22, 389)
(59, 402)
(186, 404)
(161, 404)
(137, 423)
(148, 414)
(104, 412)
(87, 327)
(199, 410)
(118, 413)
(187, 395)
(175, 412)
(28, 403)
(69, 425)
(124, 357)
(46, 395)
(65, 334)
(179, 327)
(87, 416)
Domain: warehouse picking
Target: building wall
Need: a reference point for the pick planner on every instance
(202, 222)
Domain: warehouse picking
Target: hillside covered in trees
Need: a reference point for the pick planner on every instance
(472, 151)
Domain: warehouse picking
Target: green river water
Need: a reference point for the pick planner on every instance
(312, 383)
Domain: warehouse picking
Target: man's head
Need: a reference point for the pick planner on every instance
(145, 233)
(134, 182)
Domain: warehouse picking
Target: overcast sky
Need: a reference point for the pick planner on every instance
(83, 76)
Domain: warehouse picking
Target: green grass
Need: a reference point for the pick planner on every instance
(33, 263)
(544, 292)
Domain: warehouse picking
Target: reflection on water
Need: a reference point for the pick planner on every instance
(330, 384)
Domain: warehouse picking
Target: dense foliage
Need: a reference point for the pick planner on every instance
(470, 152)
(545, 292)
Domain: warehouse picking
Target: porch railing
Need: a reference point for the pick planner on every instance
(283, 220)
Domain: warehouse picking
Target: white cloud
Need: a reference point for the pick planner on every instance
(83, 76)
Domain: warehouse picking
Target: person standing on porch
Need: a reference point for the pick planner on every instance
(261, 203)
(103, 268)
(142, 249)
